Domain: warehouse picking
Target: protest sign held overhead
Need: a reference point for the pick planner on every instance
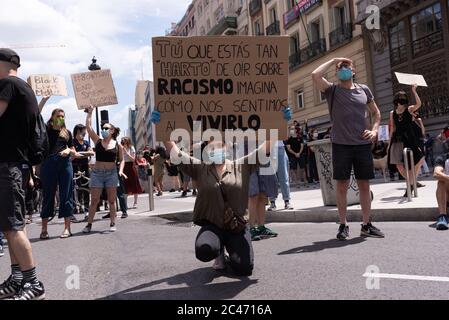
(48, 85)
(222, 82)
(94, 88)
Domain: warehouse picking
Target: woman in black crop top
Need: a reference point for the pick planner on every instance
(104, 174)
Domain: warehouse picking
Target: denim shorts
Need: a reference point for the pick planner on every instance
(104, 178)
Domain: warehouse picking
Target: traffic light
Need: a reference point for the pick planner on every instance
(104, 117)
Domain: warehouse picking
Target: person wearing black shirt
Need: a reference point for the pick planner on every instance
(296, 154)
(18, 116)
(81, 164)
(441, 173)
(57, 173)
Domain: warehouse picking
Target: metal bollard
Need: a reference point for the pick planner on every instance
(413, 177)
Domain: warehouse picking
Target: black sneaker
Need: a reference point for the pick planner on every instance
(106, 216)
(343, 232)
(184, 194)
(124, 215)
(9, 288)
(31, 292)
(194, 193)
(2, 252)
(371, 231)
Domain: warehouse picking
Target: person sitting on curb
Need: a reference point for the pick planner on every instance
(441, 174)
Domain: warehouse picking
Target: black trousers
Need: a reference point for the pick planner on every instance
(212, 240)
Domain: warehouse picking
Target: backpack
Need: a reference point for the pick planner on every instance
(38, 143)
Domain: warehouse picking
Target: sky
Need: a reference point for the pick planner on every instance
(117, 32)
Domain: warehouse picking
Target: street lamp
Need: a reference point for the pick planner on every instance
(95, 67)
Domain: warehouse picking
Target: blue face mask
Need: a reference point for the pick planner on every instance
(344, 74)
(105, 134)
(217, 156)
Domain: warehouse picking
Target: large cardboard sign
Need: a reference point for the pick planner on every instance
(48, 85)
(94, 88)
(223, 82)
(411, 79)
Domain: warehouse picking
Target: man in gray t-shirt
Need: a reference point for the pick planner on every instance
(351, 138)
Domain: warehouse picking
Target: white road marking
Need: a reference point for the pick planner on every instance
(405, 277)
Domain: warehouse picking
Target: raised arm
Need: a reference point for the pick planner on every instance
(318, 73)
(43, 102)
(95, 138)
(418, 103)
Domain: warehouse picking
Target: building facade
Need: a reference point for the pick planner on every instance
(213, 17)
(319, 30)
(413, 38)
(144, 106)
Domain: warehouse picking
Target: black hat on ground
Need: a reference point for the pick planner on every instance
(10, 56)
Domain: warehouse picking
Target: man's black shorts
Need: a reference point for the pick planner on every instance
(345, 157)
(12, 197)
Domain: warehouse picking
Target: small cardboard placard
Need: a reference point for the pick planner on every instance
(48, 85)
(383, 133)
(224, 82)
(411, 79)
(94, 88)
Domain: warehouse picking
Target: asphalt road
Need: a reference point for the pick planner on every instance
(152, 258)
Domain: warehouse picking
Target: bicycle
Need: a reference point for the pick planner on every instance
(80, 191)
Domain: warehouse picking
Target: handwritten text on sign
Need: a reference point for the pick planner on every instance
(222, 82)
(48, 85)
(94, 88)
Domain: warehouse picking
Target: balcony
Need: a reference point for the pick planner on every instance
(315, 49)
(291, 16)
(254, 7)
(340, 35)
(274, 29)
(427, 44)
(224, 24)
(294, 60)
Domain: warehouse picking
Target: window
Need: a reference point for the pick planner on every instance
(398, 43)
(426, 21)
(219, 13)
(315, 31)
(300, 100)
(339, 14)
(322, 96)
(273, 15)
(291, 4)
(257, 28)
(200, 10)
(202, 31)
(206, 3)
(208, 25)
(294, 43)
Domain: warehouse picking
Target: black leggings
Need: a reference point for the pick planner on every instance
(212, 240)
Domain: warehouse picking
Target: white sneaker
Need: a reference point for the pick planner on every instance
(113, 227)
(219, 263)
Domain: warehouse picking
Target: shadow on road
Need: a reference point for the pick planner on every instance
(198, 287)
(398, 199)
(323, 245)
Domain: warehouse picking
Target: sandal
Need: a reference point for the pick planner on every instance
(66, 234)
(44, 236)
